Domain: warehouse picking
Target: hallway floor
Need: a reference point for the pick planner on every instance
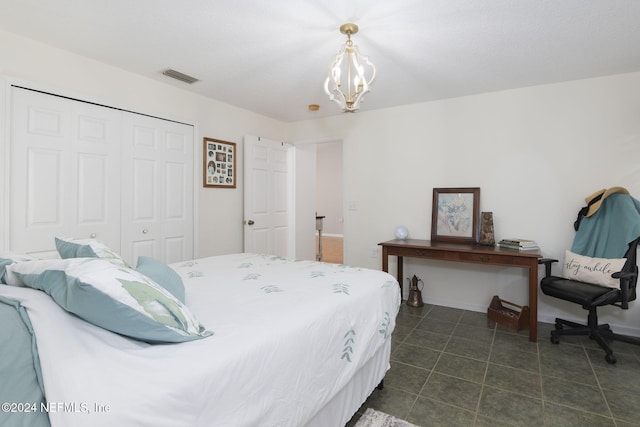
(332, 249)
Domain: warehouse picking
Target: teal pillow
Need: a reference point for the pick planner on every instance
(162, 274)
(87, 248)
(115, 298)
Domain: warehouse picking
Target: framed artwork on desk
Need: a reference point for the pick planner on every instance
(219, 169)
(455, 215)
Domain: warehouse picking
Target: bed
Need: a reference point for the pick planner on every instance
(280, 342)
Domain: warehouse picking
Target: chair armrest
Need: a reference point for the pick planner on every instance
(625, 280)
(624, 274)
(547, 265)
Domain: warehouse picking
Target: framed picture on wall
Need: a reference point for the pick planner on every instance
(219, 168)
(455, 214)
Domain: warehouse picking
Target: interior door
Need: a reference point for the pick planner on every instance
(65, 171)
(157, 191)
(268, 200)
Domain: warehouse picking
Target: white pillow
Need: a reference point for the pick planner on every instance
(115, 298)
(592, 270)
(6, 260)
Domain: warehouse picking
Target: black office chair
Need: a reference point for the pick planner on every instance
(591, 296)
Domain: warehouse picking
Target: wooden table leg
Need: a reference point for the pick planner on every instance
(533, 301)
(385, 259)
(400, 275)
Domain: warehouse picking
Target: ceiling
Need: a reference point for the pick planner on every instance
(271, 57)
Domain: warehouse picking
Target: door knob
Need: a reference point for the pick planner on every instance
(250, 222)
(145, 231)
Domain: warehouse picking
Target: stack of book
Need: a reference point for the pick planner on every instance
(519, 244)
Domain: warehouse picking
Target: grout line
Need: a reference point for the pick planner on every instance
(484, 377)
(545, 402)
(539, 357)
(593, 371)
(415, 327)
(424, 316)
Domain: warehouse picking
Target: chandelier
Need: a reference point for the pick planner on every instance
(346, 83)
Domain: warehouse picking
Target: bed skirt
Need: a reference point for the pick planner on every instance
(344, 405)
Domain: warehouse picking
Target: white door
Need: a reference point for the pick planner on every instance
(268, 200)
(65, 171)
(157, 191)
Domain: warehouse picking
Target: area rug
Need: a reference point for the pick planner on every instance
(373, 418)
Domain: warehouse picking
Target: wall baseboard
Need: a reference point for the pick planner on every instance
(332, 235)
(542, 317)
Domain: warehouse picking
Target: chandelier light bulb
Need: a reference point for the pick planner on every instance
(349, 63)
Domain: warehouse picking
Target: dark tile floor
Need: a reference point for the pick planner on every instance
(452, 367)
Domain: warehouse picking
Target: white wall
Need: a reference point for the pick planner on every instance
(219, 211)
(535, 153)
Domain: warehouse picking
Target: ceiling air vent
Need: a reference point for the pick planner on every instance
(179, 76)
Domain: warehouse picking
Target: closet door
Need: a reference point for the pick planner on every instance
(65, 172)
(157, 189)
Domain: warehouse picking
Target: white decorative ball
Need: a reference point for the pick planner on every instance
(402, 232)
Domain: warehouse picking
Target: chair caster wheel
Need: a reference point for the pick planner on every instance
(610, 358)
(555, 340)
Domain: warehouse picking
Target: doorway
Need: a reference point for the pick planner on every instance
(329, 201)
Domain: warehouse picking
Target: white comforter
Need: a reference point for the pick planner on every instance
(288, 335)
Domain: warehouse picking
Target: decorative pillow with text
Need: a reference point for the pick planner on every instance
(592, 270)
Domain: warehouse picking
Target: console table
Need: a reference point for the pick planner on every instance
(474, 253)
